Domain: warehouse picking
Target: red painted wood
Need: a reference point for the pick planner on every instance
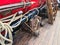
(5, 2)
(35, 5)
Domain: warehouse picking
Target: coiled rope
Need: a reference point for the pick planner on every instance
(8, 31)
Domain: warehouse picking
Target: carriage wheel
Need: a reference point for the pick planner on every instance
(35, 25)
(52, 10)
(32, 26)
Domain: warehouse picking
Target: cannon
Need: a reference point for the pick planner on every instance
(25, 15)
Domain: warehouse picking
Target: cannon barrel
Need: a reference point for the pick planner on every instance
(29, 16)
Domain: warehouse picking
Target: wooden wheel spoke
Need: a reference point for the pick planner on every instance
(52, 10)
(34, 24)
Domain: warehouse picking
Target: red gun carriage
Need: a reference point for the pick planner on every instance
(25, 14)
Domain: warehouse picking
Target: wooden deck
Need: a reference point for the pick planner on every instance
(49, 35)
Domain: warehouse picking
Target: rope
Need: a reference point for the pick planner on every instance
(8, 30)
(26, 18)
